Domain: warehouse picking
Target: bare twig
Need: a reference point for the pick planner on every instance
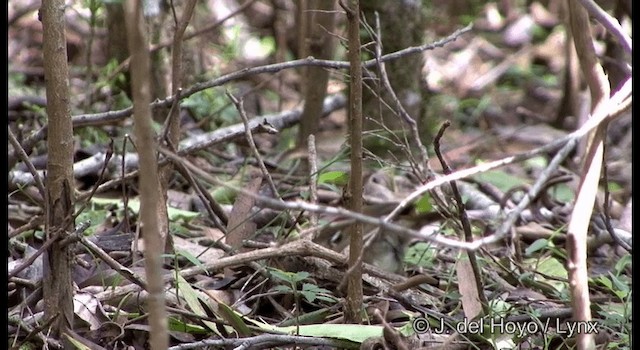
(606, 216)
(590, 175)
(125, 272)
(125, 197)
(278, 121)
(94, 188)
(213, 208)
(205, 29)
(266, 341)
(245, 120)
(462, 216)
(423, 166)
(23, 156)
(29, 261)
(313, 178)
(610, 23)
(34, 222)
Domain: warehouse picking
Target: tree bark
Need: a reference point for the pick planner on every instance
(353, 193)
(319, 44)
(57, 283)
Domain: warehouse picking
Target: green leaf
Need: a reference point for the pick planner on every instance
(500, 179)
(191, 297)
(316, 316)
(233, 318)
(538, 162)
(223, 195)
(423, 205)
(76, 343)
(310, 296)
(280, 275)
(289, 277)
(190, 257)
(315, 288)
(300, 276)
(552, 267)
(420, 254)
(177, 325)
(536, 246)
(619, 284)
(339, 178)
(95, 216)
(622, 263)
(352, 332)
(562, 192)
(499, 307)
(603, 280)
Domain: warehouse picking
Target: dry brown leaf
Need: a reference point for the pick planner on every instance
(240, 227)
(468, 289)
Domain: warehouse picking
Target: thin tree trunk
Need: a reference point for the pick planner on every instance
(149, 181)
(319, 44)
(57, 286)
(590, 175)
(173, 124)
(353, 195)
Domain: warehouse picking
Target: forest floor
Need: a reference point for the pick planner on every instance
(500, 86)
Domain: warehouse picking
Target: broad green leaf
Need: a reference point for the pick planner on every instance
(500, 179)
(280, 275)
(339, 178)
(300, 276)
(288, 277)
(191, 297)
(620, 285)
(423, 204)
(538, 162)
(317, 316)
(603, 280)
(351, 332)
(192, 258)
(78, 345)
(233, 318)
(499, 307)
(536, 246)
(94, 216)
(552, 267)
(420, 254)
(178, 325)
(223, 195)
(562, 192)
(310, 296)
(622, 263)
